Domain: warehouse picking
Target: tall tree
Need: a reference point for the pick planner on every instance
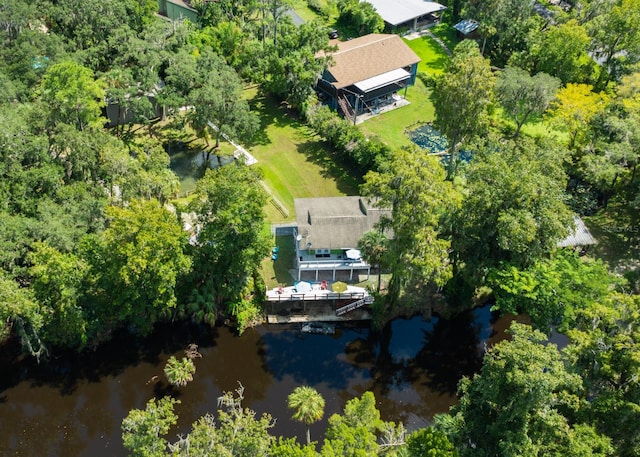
(573, 109)
(237, 432)
(229, 205)
(58, 285)
(412, 185)
(523, 95)
(354, 433)
(360, 15)
(513, 208)
(307, 405)
(136, 265)
(517, 404)
(507, 25)
(220, 102)
(296, 57)
(72, 95)
(142, 430)
(562, 52)
(428, 442)
(21, 315)
(461, 98)
(374, 248)
(552, 290)
(616, 37)
(605, 351)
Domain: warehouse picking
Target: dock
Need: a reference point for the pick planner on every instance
(286, 305)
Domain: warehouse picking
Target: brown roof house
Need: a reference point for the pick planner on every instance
(366, 74)
(328, 231)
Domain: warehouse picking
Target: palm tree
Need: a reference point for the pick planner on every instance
(179, 372)
(308, 406)
(373, 246)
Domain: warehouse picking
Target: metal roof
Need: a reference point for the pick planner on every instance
(580, 236)
(389, 77)
(396, 12)
(466, 26)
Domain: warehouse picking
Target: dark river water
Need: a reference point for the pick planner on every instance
(74, 404)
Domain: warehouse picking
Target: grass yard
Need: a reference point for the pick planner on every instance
(277, 272)
(434, 59)
(390, 126)
(302, 9)
(295, 161)
(447, 34)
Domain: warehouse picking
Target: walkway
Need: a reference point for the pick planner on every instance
(240, 151)
(421, 33)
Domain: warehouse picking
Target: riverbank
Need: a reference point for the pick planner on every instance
(74, 404)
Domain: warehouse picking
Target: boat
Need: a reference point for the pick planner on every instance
(321, 328)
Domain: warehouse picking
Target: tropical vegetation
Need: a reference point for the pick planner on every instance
(545, 105)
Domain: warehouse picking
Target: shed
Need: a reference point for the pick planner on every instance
(177, 9)
(467, 28)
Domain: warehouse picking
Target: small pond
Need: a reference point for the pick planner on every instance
(429, 138)
(187, 164)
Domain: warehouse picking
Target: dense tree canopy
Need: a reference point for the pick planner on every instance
(413, 187)
(232, 243)
(92, 239)
(506, 25)
(514, 206)
(521, 403)
(461, 98)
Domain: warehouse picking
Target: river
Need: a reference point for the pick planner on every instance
(74, 404)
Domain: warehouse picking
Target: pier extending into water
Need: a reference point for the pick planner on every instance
(317, 302)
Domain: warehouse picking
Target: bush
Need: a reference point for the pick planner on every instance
(248, 314)
(427, 79)
(349, 141)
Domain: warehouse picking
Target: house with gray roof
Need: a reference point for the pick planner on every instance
(413, 14)
(327, 234)
(367, 73)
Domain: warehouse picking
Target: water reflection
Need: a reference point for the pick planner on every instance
(75, 404)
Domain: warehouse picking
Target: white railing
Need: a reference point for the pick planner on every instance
(319, 296)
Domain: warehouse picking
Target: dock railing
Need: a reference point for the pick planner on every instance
(318, 296)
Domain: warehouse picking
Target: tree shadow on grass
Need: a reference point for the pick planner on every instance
(617, 233)
(285, 260)
(271, 113)
(260, 105)
(347, 177)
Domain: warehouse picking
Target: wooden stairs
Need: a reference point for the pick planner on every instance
(354, 305)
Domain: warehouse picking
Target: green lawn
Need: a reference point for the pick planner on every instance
(277, 272)
(295, 161)
(390, 126)
(433, 58)
(303, 10)
(447, 34)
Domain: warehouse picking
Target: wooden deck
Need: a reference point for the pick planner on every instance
(286, 305)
